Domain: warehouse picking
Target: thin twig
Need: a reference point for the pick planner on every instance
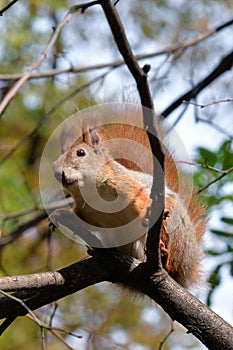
(18, 232)
(212, 330)
(13, 91)
(50, 206)
(225, 172)
(22, 304)
(224, 65)
(26, 137)
(43, 339)
(42, 325)
(46, 287)
(166, 51)
(205, 166)
(208, 104)
(166, 336)
(4, 9)
(55, 307)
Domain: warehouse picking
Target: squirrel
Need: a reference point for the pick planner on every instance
(103, 167)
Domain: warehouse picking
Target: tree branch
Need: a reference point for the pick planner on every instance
(109, 264)
(17, 233)
(208, 104)
(166, 51)
(224, 173)
(113, 266)
(43, 288)
(13, 91)
(31, 133)
(140, 76)
(224, 65)
(4, 9)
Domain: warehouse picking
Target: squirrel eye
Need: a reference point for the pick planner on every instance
(80, 152)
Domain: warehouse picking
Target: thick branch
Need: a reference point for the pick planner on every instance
(113, 266)
(40, 289)
(224, 65)
(181, 306)
(140, 76)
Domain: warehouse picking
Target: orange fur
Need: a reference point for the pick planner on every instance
(183, 225)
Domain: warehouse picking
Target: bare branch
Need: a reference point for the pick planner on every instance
(32, 316)
(208, 104)
(224, 65)
(17, 233)
(140, 76)
(31, 133)
(4, 9)
(13, 91)
(224, 173)
(113, 266)
(166, 336)
(205, 166)
(37, 290)
(51, 206)
(166, 51)
(83, 7)
(47, 287)
(21, 303)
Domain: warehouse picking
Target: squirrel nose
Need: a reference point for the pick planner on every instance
(60, 176)
(63, 177)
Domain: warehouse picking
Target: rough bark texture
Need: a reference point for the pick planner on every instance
(112, 266)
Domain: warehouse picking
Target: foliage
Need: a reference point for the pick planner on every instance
(219, 199)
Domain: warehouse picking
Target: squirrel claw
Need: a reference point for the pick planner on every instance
(166, 214)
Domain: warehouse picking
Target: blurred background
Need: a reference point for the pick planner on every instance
(189, 47)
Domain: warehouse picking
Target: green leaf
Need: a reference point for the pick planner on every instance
(227, 220)
(207, 157)
(213, 252)
(214, 281)
(222, 233)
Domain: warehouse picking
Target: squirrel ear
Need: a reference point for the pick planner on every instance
(90, 135)
(94, 138)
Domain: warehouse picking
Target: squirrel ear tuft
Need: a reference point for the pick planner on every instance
(94, 138)
(90, 129)
(91, 137)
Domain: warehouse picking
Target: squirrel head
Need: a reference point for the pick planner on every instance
(81, 164)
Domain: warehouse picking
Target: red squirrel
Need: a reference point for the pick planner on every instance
(112, 160)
